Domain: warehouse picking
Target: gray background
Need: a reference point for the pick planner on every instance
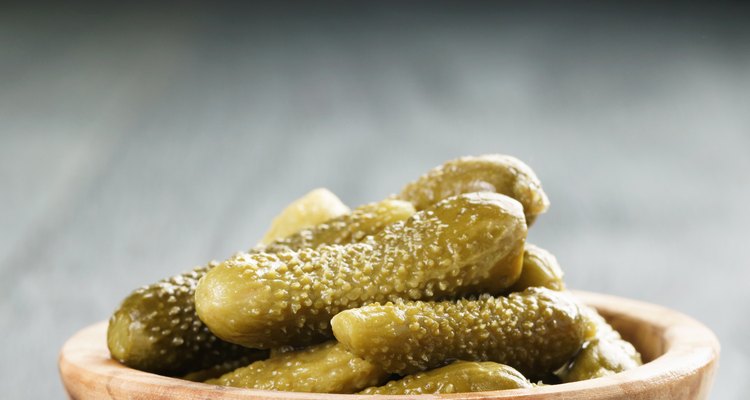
(139, 142)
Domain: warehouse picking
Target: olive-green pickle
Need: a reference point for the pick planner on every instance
(156, 328)
(218, 370)
(433, 290)
(323, 368)
(354, 227)
(540, 269)
(535, 332)
(604, 352)
(314, 208)
(464, 244)
(458, 377)
(492, 172)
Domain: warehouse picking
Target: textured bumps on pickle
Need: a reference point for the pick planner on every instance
(467, 243)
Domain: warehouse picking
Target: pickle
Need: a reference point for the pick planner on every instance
(604, 353)
(458, 377)
(224, 367)
(316, 207)
(464, 244)
(354, 227)
(156, 328)
(277, 351)
(540, 269)
(493, 173)
(324, 368)
(535, 332)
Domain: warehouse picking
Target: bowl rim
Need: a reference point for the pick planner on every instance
(689, 349)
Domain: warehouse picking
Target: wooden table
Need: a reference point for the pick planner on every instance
(135, 143)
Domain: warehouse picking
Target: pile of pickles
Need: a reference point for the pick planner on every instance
(432, 290)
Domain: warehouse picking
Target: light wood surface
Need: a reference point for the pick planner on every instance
(681, 356)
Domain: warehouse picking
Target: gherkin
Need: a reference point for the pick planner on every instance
(354, 227)
(156, 328)
(458, 377)
(315, 207)
(224, 367)
(540, 269)
(535, 332)
(323, 368)
(492, 172)
(471, 243)
(604, 353)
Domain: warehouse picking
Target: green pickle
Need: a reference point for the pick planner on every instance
(224, 367)
(535, 332)
(156, 328)
(458, 377)
(363, 221)
(492, 173)
(466, 244)
(323, 368)
(604, 353)
(314, 208)
(540, 269)
(434, 289)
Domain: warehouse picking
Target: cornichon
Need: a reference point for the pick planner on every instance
(604, 353)
(224, 367)
(540, 269)
(363, 221)
(315, 207)
(536, 332)
(493, 173)
(458, 377)
(156, 328)
(471, 243)
(323, 368)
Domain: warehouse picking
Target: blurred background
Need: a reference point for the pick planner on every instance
(138, 142)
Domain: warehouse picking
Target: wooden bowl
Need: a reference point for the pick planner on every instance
(681, 356)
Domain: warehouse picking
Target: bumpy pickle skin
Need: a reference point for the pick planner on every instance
(323, 368)
(156, 328)
(224, 367)
(354, 227)
(458, 377)
(535, 332)
(314, 208)
(540, 269)
(471, 243)
(492, 172)
(604, 352)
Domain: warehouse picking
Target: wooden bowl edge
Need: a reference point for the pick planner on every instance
(685, 370)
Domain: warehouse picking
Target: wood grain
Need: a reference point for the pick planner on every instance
(681, 356)
(140, 140)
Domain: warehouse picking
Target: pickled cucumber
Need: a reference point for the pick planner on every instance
(605, 353)
(324, 368)
(471, 243)
(535, 332)
(354, 227)
(224, 367)
(316, 207)
(458, 377)
(156, 328)
(540, 269)
(493, 173)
